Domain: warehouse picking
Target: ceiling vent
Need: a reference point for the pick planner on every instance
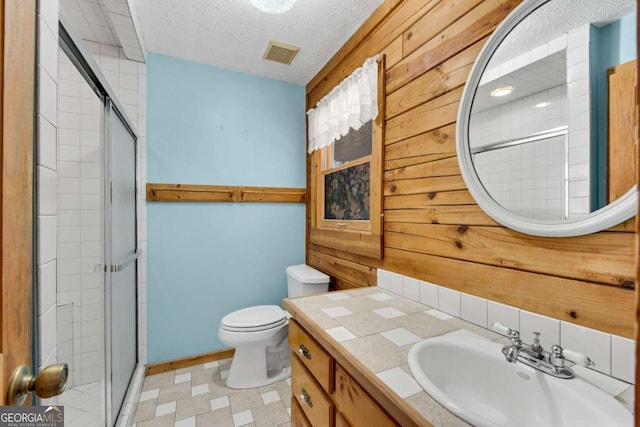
(280, 52)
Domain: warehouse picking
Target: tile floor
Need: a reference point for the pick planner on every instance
(197, 396)
(83, 405)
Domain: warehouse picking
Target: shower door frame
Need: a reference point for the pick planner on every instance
(88, 68)
(111, 108)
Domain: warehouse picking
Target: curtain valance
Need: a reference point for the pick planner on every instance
(349, 105)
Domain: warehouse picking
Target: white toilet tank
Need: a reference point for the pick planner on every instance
(303, 280)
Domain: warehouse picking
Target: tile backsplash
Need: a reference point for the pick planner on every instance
(612, 354)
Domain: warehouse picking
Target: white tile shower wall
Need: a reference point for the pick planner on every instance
(527, 179)
(46, 170)
(520, 118)
(613, 355)
(128, 79)
(65, 339)
(80, 222)
(534, 189)
(508, 121)
(578, 90)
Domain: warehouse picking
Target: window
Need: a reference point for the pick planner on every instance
(346, 184)
(346, 177)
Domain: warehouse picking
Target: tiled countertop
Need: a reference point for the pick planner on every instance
(378, 328)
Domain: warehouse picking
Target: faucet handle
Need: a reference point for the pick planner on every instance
(556, 358)
(536, 347)
(578, 358)
(501, 329)
(513, 335)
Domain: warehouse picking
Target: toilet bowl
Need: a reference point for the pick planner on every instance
(259, 333)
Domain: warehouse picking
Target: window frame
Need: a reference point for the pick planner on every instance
(362, 237)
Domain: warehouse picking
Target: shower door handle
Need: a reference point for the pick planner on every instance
(119, 267)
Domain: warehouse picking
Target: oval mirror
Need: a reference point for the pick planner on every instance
(546, 126)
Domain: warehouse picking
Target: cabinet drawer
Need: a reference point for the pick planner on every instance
(355, 404)
(298, 419)
(314, 402)
(312, 355)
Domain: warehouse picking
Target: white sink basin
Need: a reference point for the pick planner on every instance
(472, 379)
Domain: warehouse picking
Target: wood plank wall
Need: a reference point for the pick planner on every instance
(433, 230)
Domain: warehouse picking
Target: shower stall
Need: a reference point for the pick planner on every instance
(97, 242)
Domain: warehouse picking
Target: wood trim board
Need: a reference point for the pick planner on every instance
(171, 365)
(223, 193)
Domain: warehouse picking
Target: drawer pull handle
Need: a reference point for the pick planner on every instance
(304, 351)
(305, 398)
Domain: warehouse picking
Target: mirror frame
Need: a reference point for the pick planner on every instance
(611, 215)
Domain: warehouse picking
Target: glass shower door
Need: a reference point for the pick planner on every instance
(123, 257)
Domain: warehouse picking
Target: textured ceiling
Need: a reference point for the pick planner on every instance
(232, 34)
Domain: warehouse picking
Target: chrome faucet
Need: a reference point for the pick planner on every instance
(512, 353)
(536, 347)
(533, 355)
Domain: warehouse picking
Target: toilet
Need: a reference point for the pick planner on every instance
(259, 333)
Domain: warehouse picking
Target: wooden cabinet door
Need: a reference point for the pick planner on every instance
(298, 419)
(312, 355)
(314, 402)
(356, 405)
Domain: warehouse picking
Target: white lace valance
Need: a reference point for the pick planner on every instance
(349, 105)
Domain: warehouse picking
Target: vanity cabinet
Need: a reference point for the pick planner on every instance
(298, 419)
(323, 392)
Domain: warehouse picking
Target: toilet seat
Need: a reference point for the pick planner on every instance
(254, 319)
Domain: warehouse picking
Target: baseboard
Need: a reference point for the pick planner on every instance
(170, 365)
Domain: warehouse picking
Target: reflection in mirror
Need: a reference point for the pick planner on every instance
(551, 129)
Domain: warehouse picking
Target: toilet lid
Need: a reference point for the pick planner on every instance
(252, 319)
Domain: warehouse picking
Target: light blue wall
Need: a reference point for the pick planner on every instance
(208, 125)
(611, 45)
